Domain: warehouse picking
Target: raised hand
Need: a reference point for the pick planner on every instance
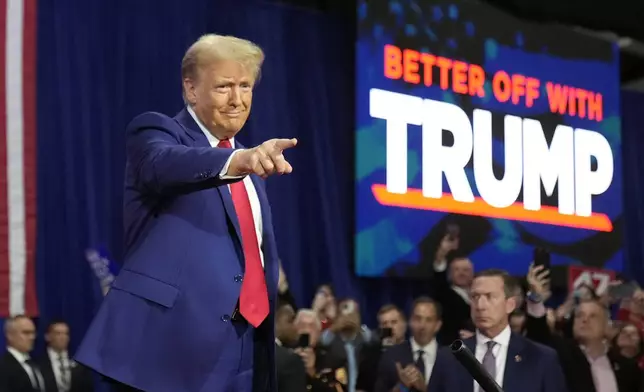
(263, 160)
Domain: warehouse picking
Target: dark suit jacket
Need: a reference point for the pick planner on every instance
(401, 353)
(183, 266)
(13, 377)
(456, 311)
(575, 363)
(291, 376)
(530, 367)
(81, 376)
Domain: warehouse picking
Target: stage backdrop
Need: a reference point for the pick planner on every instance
(496, 133)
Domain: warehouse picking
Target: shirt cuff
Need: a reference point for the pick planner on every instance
(441, 266)
(222, 173)
(536, 310)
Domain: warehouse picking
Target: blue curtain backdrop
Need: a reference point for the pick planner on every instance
(102, 62)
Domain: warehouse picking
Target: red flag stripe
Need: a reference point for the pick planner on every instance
(29, 79)
(4, 226)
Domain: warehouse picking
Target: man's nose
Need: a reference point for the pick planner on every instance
(235, 96)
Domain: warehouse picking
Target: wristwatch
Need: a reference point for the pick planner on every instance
(534, 297)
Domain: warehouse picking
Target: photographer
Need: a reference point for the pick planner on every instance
(324, 372)
(392, 329)
(346, 338)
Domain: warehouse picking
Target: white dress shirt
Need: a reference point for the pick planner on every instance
(55, 359)
(22, 359)
(248, 183)
(429, 356)
(500, 351)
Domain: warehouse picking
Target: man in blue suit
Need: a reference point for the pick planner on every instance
(192, 308)
(516, 363)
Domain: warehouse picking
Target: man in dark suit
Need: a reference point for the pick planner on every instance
(410, 364)
(60, 372)
(590, 364)
(452, 282)
(18, 372)
(516, 363)
(191, 309)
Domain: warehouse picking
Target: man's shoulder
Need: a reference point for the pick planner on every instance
(153, 120)
(536, 348)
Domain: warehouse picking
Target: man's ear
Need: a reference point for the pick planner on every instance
(510, 305)
(190, 91)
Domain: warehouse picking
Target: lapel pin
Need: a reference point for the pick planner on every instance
(517, 358)
(616, 367)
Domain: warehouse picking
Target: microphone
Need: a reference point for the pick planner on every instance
(474, 367)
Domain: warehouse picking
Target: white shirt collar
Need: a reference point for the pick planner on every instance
(502, 339)
(211, 138)
(53, 354)
(20, 357)
(278, 342)
(429, 349)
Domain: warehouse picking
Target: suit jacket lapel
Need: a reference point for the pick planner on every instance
(513, 375)
(199, 140)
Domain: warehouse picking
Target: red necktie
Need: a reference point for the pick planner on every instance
(253, 300)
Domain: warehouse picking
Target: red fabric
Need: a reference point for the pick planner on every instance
(253, 300)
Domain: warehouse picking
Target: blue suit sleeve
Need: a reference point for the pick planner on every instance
(160, 162)
(554, 379)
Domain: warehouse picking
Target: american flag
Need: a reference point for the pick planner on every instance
(18, 158)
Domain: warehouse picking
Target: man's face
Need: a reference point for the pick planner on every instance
(22, 335)
(393, 319)
(306, 324)
(461, 272)
(424, 323)
(629, 337)
(490, 305)
(58, 337)
(221, 95)
(284, 325)
(591, 322)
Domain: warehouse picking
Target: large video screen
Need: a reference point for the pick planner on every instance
(478, 128)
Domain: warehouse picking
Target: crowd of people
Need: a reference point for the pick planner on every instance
(589, 343)
(53, 371)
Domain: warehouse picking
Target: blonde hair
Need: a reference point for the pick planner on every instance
(212, 47)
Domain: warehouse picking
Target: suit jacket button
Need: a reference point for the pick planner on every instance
(225, 318)
(238, 278)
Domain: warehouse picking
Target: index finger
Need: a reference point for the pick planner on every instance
(284, 144)
(398, 367)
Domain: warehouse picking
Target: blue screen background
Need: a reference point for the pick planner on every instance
(386, 237)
